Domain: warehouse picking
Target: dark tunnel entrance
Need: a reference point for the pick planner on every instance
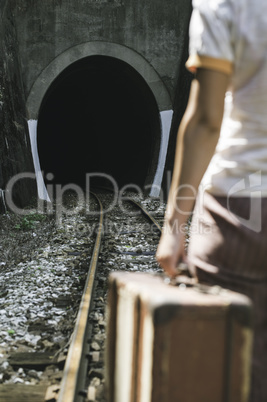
(99, 115)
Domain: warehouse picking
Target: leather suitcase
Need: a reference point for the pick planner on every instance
(176, 343)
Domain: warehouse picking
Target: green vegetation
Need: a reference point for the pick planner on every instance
(28, 222)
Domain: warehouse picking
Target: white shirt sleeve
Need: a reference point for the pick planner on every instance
(211, 35)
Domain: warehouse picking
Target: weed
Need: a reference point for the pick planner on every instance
(28, 222)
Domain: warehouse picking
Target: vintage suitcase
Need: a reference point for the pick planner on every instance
(176, 343)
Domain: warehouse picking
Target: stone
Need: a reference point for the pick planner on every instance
(94, 372)
(91, 393)
(95, 346)
(33, 374)
(95, 356)
(18, 380)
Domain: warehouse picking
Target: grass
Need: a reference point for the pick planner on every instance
(28, 222)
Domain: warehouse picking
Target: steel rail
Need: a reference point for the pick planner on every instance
(73, 380)
(145, 212)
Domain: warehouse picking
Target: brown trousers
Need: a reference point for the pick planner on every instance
(228, 247)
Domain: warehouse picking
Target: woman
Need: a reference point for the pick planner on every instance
(221, 158)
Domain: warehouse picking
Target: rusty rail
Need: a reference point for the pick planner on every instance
(146, 213)
(73, 380)
(72, 386)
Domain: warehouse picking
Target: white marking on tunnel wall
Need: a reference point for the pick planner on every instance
(42, 192)
(166, 119)
(2, 197)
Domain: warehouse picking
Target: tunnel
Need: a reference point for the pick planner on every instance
(99, 116)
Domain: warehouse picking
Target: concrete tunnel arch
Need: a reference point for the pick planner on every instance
(110, 76)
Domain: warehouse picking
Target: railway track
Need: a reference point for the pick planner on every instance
(129, 243)
(74, 377)
(73, 385)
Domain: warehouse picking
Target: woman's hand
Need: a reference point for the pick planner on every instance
(171, 250)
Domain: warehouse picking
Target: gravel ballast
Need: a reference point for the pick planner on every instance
(43, 266)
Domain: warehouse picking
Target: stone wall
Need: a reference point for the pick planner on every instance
(15, 152)
(36, 32)
(155, 29)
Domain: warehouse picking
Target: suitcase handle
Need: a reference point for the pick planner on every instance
(184, 280)
(181, 281)
(183, 277)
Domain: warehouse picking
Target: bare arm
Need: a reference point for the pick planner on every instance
(196, 141)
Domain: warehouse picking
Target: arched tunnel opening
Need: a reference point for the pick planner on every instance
(99, 115)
